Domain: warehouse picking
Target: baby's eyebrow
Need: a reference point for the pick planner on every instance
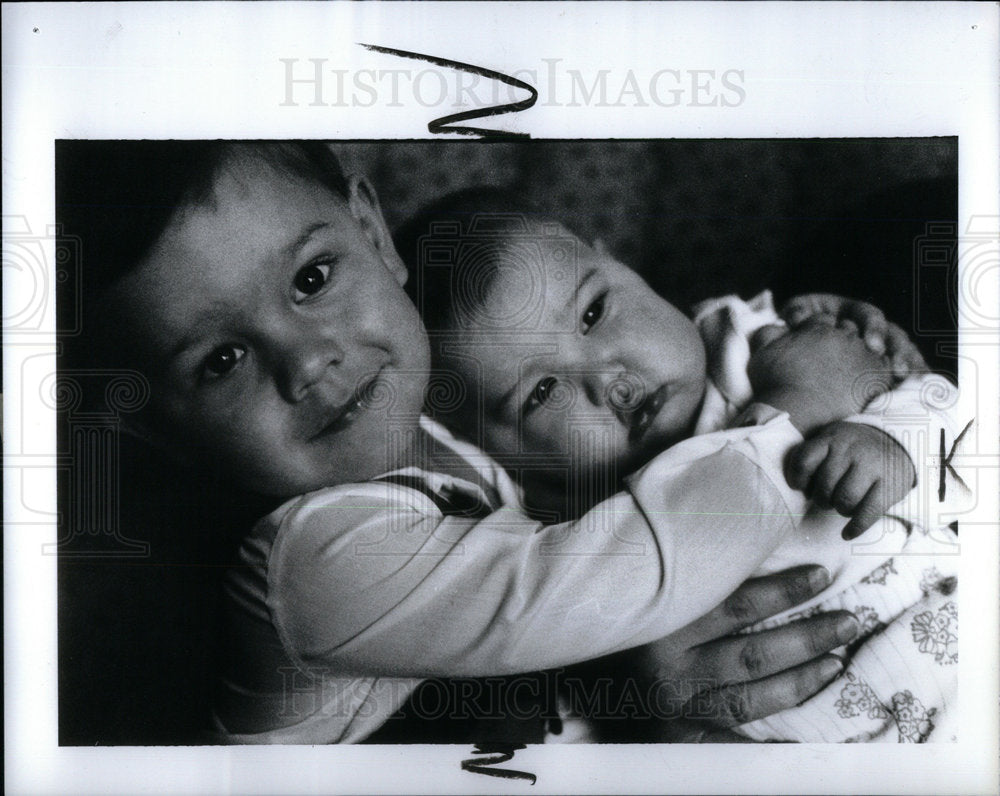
(573, 301)
(513, 396)
(505, 400)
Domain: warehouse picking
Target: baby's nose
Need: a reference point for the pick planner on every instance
(619, 389)
(625, 392)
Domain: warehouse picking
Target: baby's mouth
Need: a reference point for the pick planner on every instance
(344, 415)
(642, 417)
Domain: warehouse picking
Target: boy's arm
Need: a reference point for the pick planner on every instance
(380, 582)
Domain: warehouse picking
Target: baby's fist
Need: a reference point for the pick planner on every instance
(856, 469)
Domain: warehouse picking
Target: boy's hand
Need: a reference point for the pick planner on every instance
(818, 373)
(856, 469)
(881, 336)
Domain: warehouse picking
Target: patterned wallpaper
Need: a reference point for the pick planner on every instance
(696, 218)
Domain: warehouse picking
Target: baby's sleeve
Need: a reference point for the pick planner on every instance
(377, 581)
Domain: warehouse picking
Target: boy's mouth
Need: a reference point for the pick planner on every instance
(642, 417)
(341, 417)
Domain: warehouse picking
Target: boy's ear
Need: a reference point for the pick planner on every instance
(363, 204)
(138, 427)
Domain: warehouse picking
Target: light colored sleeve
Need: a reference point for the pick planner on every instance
(921, 415)
(374, 579)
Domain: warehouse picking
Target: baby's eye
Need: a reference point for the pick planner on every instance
(593, 313)
(310, 278)
(223, 359)
(542, 392)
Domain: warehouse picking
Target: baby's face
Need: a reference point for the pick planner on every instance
(593, 367)
(274, 328)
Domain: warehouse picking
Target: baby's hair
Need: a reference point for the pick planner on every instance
(472, 228)
(117, 197)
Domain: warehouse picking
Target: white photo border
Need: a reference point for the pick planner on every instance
(215, 70)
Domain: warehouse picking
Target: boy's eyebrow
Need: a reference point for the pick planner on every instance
(191, 337)
(195, 329)
(303, 239)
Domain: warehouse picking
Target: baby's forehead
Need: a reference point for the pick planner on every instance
(543, 245)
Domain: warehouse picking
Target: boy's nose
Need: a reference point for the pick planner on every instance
(308, 365)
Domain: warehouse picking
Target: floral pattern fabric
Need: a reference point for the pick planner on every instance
(937, 633)
(901, 673)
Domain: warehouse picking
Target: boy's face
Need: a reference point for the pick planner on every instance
(603, 372)
(275, 330)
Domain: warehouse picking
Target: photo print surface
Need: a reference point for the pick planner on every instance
(481, 460)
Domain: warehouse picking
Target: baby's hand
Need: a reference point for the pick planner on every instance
(856, 469)
(879, 334)
(817, 373)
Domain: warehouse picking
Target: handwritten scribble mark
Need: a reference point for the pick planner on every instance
(502, 753)
(444, 124)
(946, 462)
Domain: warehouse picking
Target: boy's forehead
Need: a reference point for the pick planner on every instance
(251, 203)
(218, 252)
(249, 177)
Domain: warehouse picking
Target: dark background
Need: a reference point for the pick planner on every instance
(874, 219)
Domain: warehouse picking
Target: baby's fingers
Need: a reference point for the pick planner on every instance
(904, 356)
(870, 322)
(851, 490)
(801, 308)
(765, 335)
(827, 479)
(803, 460)
(866, 514)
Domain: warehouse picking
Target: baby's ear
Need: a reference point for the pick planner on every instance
(364, 206)
(600, 246)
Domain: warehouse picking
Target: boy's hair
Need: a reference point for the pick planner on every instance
(453, 247)
(117, 197)
(114, 199)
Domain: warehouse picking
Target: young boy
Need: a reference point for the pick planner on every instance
(259, 291)
(600, 374)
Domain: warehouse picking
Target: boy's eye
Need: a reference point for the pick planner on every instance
(223, 359)
(542, 392)
(311, 278)
(593, 313)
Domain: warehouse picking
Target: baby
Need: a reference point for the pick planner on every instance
(597, 374)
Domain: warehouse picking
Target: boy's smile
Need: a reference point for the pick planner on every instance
(274, 326)
(596, 367)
